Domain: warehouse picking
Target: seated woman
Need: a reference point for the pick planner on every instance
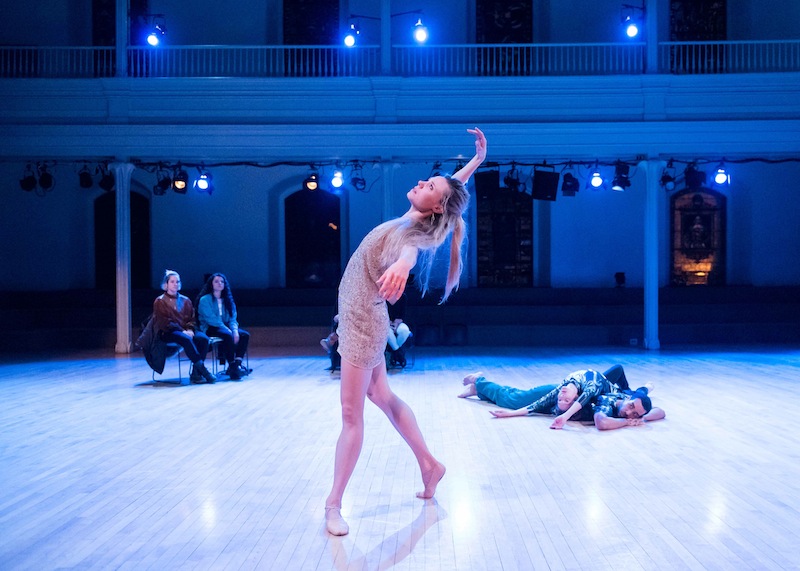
(173, 322)
(216, 312)
(399, 333)
(575, 393)
(331, 345)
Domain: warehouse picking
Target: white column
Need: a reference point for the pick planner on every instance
(651, 35)
(386, 37)
(651, 232)
(122, 179)
(121, 49)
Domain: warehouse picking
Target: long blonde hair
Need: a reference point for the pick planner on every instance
(429, 234)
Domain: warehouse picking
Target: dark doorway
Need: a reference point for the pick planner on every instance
(105, 241)
(313, 239)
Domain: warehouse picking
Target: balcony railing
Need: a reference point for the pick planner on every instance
(729, 57)
(469, 60)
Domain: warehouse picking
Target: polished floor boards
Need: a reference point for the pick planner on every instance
(101, 470)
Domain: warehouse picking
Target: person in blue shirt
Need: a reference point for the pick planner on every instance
(216, 313)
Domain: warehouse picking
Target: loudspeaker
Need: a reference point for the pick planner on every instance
(545, 184)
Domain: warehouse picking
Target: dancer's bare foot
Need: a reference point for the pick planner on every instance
(334, 522)
(470, 379)
(431, 479)
(469, 382)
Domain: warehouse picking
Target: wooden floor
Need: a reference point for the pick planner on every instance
(99, 470)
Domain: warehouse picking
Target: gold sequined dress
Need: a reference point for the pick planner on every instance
(363, 316)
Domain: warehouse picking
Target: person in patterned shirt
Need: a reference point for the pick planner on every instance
(622, 408)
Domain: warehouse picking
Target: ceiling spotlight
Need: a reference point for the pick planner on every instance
(106, 180)
(85, 177)
(694, 177)
(596, 180)
(204, 183)
(312, 180)
(28, 180)
(420, 32)
(357, 178)
(569, 184)
(180, 180)
(46, 180)
(631, 27)
(351, 36)
(163, 181)
(512, 180)
(632, 18)
(721, 176)
(338, 179)
(621, 180)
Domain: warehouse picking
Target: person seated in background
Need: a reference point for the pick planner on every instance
(173, 322)
(399, 333)
(331, 344)
(217, 315)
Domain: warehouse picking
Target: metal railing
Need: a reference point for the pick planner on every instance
(729, 57)
(499, 60)
(467, 60)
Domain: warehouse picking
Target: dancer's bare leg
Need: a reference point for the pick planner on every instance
(354, 385)
(469, 382)
(402, 418)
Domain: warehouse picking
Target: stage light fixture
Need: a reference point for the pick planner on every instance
(163, 182)
(28, 180)
(420, 32)
(180, 180)
(436, 170)
(621, 180)
(668, 177)
(312, 180)
(632, 18)
(158, 29)
(569, 182)
(351, 37)
(596, 180)
(357, 178)
(338, 179)
(106, 179)
(694, 178)
(46, 180)
(204, 182)
(721, 176)
(85, 177)
(512, 180)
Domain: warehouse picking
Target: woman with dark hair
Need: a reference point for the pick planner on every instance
(377, 272)
(216, 312)
(173, 322)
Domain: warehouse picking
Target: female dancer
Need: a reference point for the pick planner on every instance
(377, 272)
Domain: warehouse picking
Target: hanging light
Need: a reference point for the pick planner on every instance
(351, 37)
(357, 178)
(621, 180)
(668, 177)
(596, 180)
(569, 182)
(180, 180)
(420, 32)
(512, 180)
(204, 182)
(158, 30)
(338, 179)
(721, 176)
(312, 180)
(436, 170)
(28, 180)
(46, 180)
(694, 178)
(163, 181)
(106, 179)
(85, 177)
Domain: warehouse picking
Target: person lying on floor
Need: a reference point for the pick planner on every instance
(575, 398)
